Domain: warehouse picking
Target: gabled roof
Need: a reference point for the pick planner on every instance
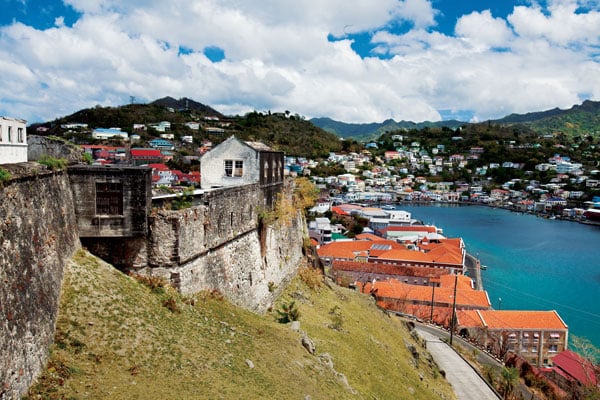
(368, 236)
(465, 296)
(575, 367)
(411, 228)
(350, 249)
(513, 320)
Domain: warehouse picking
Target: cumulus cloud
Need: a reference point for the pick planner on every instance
(278, 56)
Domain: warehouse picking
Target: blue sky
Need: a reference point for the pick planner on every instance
(350, 60)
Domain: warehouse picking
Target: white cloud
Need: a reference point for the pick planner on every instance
(278, 58)
(481, 29)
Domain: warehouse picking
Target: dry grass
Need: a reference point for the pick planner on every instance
(116, 339)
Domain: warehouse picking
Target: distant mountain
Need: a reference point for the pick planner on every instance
(186, 104)
(371, 131)
(579, 120)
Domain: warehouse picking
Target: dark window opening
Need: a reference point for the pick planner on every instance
(234, 168)
(109, 198)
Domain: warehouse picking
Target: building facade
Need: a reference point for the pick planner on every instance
(13, 140)
(235, 163)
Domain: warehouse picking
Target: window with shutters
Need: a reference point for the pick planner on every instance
(109, 198)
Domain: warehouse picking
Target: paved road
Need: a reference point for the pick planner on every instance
(466, 383)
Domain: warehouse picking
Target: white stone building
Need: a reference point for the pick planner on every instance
(13, 140)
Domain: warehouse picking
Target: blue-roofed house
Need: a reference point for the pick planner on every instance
(162, 144)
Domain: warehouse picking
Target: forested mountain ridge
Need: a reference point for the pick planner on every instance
(580, 120)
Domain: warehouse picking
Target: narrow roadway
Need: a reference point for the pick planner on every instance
(465, 381)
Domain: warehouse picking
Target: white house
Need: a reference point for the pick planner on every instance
(235, 162)
(103, 133)
(13, 140)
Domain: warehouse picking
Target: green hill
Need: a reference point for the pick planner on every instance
(579, 120)
(372, 131)
(118, 338)
(289, 133)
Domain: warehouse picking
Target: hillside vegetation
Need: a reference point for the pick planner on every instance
(577, 122)
(283, 131)
(119, 338)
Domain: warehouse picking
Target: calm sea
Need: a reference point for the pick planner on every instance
(533, 263)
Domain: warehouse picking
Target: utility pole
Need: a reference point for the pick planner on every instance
(453, 309)
(432, 298)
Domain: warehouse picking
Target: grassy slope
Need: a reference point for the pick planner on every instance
(116, 339)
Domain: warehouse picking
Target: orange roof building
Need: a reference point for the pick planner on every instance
(448, 254)
(417, 300)
(537, 336)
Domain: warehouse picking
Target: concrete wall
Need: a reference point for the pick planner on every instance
(38, 234)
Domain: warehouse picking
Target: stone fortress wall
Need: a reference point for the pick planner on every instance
(38, 235)
(216, 244)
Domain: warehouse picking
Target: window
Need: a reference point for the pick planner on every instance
(0, 133)
(553, 348)
(534, 349)
(20, 135)
(109, 198)
(239, 168)
(234, 168)
(9, 134)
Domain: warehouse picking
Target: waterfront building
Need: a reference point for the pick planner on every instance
(416, 300)
(537, 336)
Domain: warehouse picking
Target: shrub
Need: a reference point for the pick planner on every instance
(171, 304)
(183, 200)
(289, 312)
(155, 283)
(4, 176)
(312, 277)
(53, 163)
(337, 320)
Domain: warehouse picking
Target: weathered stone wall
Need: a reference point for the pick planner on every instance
(38, 234)
(217, 245)
(39, 146)
(128, 216)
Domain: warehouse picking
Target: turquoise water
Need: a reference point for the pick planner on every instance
(533, 263)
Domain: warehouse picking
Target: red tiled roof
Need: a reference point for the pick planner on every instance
(160, 167)
(514, 319)
(387, 269)
(465, 297)
(145, 153)
(368, 236)
(349, 250)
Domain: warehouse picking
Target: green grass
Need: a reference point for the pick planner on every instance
(118, 338)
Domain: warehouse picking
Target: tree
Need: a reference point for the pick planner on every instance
(510, 379)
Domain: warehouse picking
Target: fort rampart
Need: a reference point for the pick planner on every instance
(214, 244)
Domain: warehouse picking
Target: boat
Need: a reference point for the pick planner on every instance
(388, 207)
(483, 267)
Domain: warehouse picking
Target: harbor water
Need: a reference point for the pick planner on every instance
(532, 263)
